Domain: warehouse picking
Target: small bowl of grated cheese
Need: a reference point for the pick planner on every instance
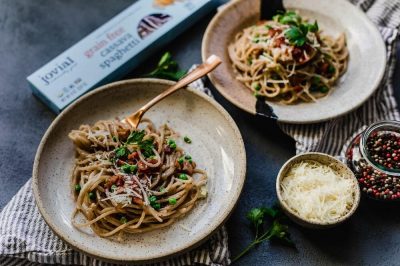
(317, 191)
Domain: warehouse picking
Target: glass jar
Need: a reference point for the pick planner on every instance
(374, 157)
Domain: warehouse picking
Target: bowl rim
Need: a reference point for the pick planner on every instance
(298, 157)
(252, 110)
(241, 176)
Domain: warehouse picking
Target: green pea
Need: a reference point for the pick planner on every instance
(172, 201)
(172, 144)
(129, 169)
(153, 199)
(324, 89)
(183, 177)
(256, 86)
(92, 195)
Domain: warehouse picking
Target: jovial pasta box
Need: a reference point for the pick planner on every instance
(114, 49)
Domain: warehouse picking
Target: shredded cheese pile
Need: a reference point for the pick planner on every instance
(316, 192)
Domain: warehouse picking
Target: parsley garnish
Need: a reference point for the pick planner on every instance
(313, 27)
(297, 33)
(167, 69)
(129, 168)
(277, 230)
(147, 147)
(154, 203)
(290, 18)
(121, 152)
(135, 137)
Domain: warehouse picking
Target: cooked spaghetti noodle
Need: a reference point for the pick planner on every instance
(132, 181)
(288, 59)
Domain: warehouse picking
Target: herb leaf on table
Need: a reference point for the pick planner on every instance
(276, 231)
(167, 69)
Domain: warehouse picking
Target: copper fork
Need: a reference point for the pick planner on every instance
(209, 65)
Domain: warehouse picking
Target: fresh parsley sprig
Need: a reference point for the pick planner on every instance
(289, 18)
(297, 33)
(277, 231)
(136, 137)
(167, 69)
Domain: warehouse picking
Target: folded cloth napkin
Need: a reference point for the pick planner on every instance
(25, 238)
(330, 137)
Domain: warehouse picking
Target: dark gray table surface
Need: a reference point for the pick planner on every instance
(33, 32)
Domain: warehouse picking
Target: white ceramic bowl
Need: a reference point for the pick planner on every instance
(325, 159)
(217, 147)
(366, 67)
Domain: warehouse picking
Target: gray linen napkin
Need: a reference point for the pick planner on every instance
(25, 238)
(330, 137)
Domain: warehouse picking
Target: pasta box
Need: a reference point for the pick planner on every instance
(114, 49)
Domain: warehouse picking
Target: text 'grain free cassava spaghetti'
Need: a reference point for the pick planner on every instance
(132, 181)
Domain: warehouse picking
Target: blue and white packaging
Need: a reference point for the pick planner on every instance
(112, 50)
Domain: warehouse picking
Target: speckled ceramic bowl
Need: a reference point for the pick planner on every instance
(217, 147)
(365, 70)
(326, 160)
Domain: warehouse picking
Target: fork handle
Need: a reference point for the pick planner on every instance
(210, 64)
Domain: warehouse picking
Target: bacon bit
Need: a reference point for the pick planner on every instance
(308, 48)
(120, 162)
(167, 149)
(297, 88)
(295, 80)
(112, 180)
(133, 155)
(152, 160)
(323, 68)
(178, 165)
(278, 42)
(272, 32)
(297, 54)
(137, 200)
(120, 182)
(187, 167)
(257, 52)
(142, 166)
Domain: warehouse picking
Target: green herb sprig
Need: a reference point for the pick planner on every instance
(297, 33)
(136, 137)
(167, 69)
(277, 230)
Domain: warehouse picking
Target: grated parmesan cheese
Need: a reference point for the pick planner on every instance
(316, 192)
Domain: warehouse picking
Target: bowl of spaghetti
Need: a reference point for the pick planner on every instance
(139, 195)
(304, 65)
